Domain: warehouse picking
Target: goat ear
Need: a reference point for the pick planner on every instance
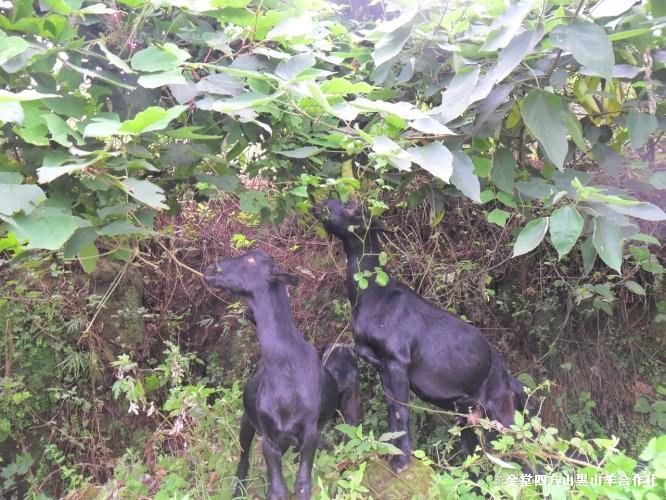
(281, 274)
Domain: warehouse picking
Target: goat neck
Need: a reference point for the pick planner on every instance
(276, 329)
(362, 255)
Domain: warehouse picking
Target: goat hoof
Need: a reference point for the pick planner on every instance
(399, 463)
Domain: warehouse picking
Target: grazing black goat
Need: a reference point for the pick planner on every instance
(414, 344)
(340, 361)
(290, 396)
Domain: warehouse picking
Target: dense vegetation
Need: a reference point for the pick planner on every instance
(516, 149)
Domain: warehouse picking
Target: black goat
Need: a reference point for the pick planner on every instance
(340, 361)
(414, 344)
(290, 396)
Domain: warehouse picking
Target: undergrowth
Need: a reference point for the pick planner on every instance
(131, 378)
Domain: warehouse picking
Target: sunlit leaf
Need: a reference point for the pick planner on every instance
(530, 236)
(159, 58)
(589, 45)
(150, 119)
(434, 158)
(463, 176)
(145, 191)
(19, 197)
(390, 45)
(498, 217)
(566, 226)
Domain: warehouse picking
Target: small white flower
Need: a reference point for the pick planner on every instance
(133, 408)
(151, 409)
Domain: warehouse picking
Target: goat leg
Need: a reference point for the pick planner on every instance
(247, 432)
(273, 457)
(303, 484)
(395, 383)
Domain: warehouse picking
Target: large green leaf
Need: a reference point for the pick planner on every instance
(11, 46)
(434, 158)
(145, 191)
(88, 257)
(159, 58)
(503, 170)
(643, 210)
(463, 176)
(608, 241)
(150, 119)
(397, 156)
(244, 101)
(641, 127)
(47, 228)
(457, 96)
(19, 197)
(252, 202)
(530, 236)
(589, 45)
(566, 226)
(544, 117)
(391, 45)
(289, 69)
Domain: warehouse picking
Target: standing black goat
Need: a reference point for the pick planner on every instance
(290, 396)
(414, 344)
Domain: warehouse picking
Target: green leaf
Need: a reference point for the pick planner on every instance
(114, 59)
(643, 210)
(88, 257)
(83, 236)
(498, 217)
(430, 126)
(611, 8)
(530, 236)
(289, 69)
(170, 77)
(434, 158)
(46, 228)
(457, 96)
(635, 287)
(300, 191)
(608, 241)
(642, 405)
(641, 127)
(152, 118)
(244, 101)
(589, 254)
(463, 176)
(252, 202)
(503, 169)
(391, 45)
(544, 117)
(11, 46)
(303, 152)
(102, 126)
(397, 156)
(159, 58)
(381, 278)
(566, 226)
(341, 86)
(19, 197)
(589, 45)
(145, 191)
